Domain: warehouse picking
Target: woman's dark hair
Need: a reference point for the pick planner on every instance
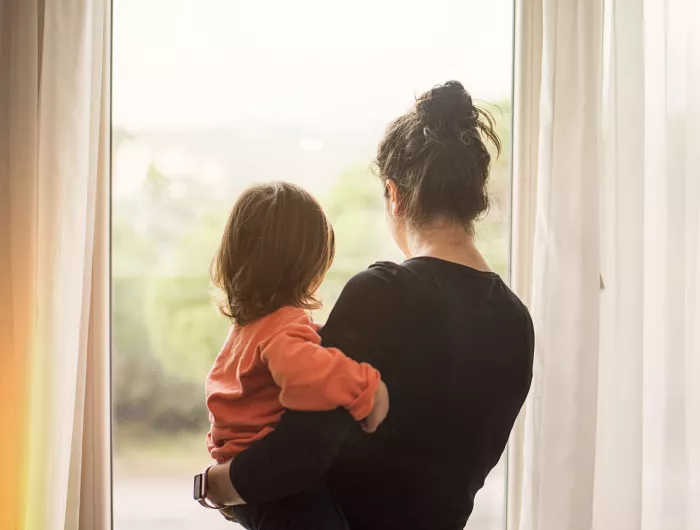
(437, 157)
(276, 249)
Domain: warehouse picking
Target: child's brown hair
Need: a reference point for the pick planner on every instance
(276, 249)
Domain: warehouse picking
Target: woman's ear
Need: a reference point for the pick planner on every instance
(392, 197)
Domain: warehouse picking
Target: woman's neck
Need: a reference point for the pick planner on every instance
(445, 241)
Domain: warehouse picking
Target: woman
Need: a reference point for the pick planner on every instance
(452, 342)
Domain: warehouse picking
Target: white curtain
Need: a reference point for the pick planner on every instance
(648, 441)
(54, 263)
(610, 435)
(556, 225)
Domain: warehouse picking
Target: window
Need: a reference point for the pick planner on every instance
(212, 95)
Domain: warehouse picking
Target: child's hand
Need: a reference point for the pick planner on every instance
(379, 411)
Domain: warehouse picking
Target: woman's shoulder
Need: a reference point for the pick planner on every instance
(381, 288)
(379, 276)
(380, 271)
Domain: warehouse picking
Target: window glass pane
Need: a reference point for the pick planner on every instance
(212, 95)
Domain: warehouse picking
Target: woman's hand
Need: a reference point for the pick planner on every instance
(220, 490)
(379, 411)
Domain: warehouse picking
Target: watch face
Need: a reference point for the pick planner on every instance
(198, 482)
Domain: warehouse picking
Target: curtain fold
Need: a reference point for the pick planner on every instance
(560, 421)
(526, 92)
(54, 256)
(611, 437)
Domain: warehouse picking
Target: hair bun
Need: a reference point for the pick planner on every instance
(446, 103)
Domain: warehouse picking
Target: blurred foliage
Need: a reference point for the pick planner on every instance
(184, 327)
(167, 329)
(146, 394)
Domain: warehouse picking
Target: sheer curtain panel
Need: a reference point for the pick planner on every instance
(54, 264)
(610, 436)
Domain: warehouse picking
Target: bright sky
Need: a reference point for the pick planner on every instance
(208, 63)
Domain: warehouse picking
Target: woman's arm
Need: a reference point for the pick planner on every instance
(221, 491)
(298, 453)
(292, 458)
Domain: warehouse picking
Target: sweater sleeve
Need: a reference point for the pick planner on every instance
(314, 378)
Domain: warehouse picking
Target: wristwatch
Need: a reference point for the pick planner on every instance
(201, 489)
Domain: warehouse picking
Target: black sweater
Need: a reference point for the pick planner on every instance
(455, 348)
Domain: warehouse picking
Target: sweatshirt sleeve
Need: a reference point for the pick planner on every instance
(314, 378)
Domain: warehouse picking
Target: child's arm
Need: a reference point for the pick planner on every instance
(312, 377)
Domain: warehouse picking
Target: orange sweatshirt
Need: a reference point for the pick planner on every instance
(274, 363)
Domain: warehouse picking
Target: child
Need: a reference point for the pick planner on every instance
(276, 249)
